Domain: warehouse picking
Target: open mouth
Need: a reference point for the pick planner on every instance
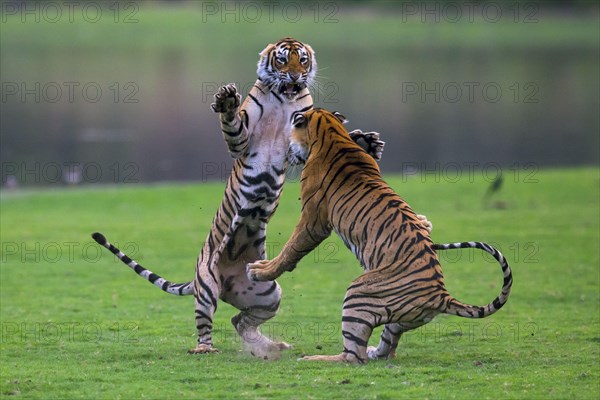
(291, 89)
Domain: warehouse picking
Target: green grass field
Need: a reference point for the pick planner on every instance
(78, 324)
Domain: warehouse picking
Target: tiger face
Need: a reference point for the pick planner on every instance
(303, 135)
(287, 67)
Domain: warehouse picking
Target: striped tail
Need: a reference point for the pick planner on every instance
(179, 289)
(468, 311)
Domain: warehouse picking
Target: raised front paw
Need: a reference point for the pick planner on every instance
(227, 99)
(369, 141)
(262, 270)
(427, 223)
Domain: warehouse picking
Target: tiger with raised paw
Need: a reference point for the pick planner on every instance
(402, 286)
(256, 132)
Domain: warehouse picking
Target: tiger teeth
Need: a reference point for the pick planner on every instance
(290, 89)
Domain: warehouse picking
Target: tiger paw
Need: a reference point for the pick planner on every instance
(283, 345)
(427, 223)
(373, 354)
(262, 270)
(227, 100)
(267, 351)
(343, 358)
(369, 141)
(203, 349)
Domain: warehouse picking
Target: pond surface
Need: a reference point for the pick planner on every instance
(75, 113)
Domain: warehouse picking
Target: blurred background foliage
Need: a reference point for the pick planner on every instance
(122, 89)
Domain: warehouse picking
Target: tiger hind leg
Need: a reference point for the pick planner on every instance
(392, 332)
(386, 349)
(356, 336)
(356, 329)
(206, 294)
(358, 322)
(258, 302)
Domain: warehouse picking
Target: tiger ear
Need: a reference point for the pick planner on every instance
(267, 49)
(299, 120)
(310, 49)
(340, 117)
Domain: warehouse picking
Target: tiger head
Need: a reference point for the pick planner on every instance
(309, 127)
(287, 67)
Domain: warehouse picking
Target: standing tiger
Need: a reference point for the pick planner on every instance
(257, 137)
(402, 286)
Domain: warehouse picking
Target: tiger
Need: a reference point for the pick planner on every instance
(257, 136)
(402, 286)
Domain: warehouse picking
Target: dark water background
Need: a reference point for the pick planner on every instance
(129, 102)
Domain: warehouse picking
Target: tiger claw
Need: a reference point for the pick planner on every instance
(372, 135)
(262, 270)
(227, 99)
(369, 141)
(427, 223)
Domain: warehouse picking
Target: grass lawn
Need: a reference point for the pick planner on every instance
(77, 323)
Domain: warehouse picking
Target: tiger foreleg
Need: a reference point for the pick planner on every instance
(265, 270)
(227, 104)
(302, 242)
(369, 141)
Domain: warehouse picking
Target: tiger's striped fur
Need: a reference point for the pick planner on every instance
(402, 286)
(257, 137)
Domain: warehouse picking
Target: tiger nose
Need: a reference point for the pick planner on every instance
(294, 76)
